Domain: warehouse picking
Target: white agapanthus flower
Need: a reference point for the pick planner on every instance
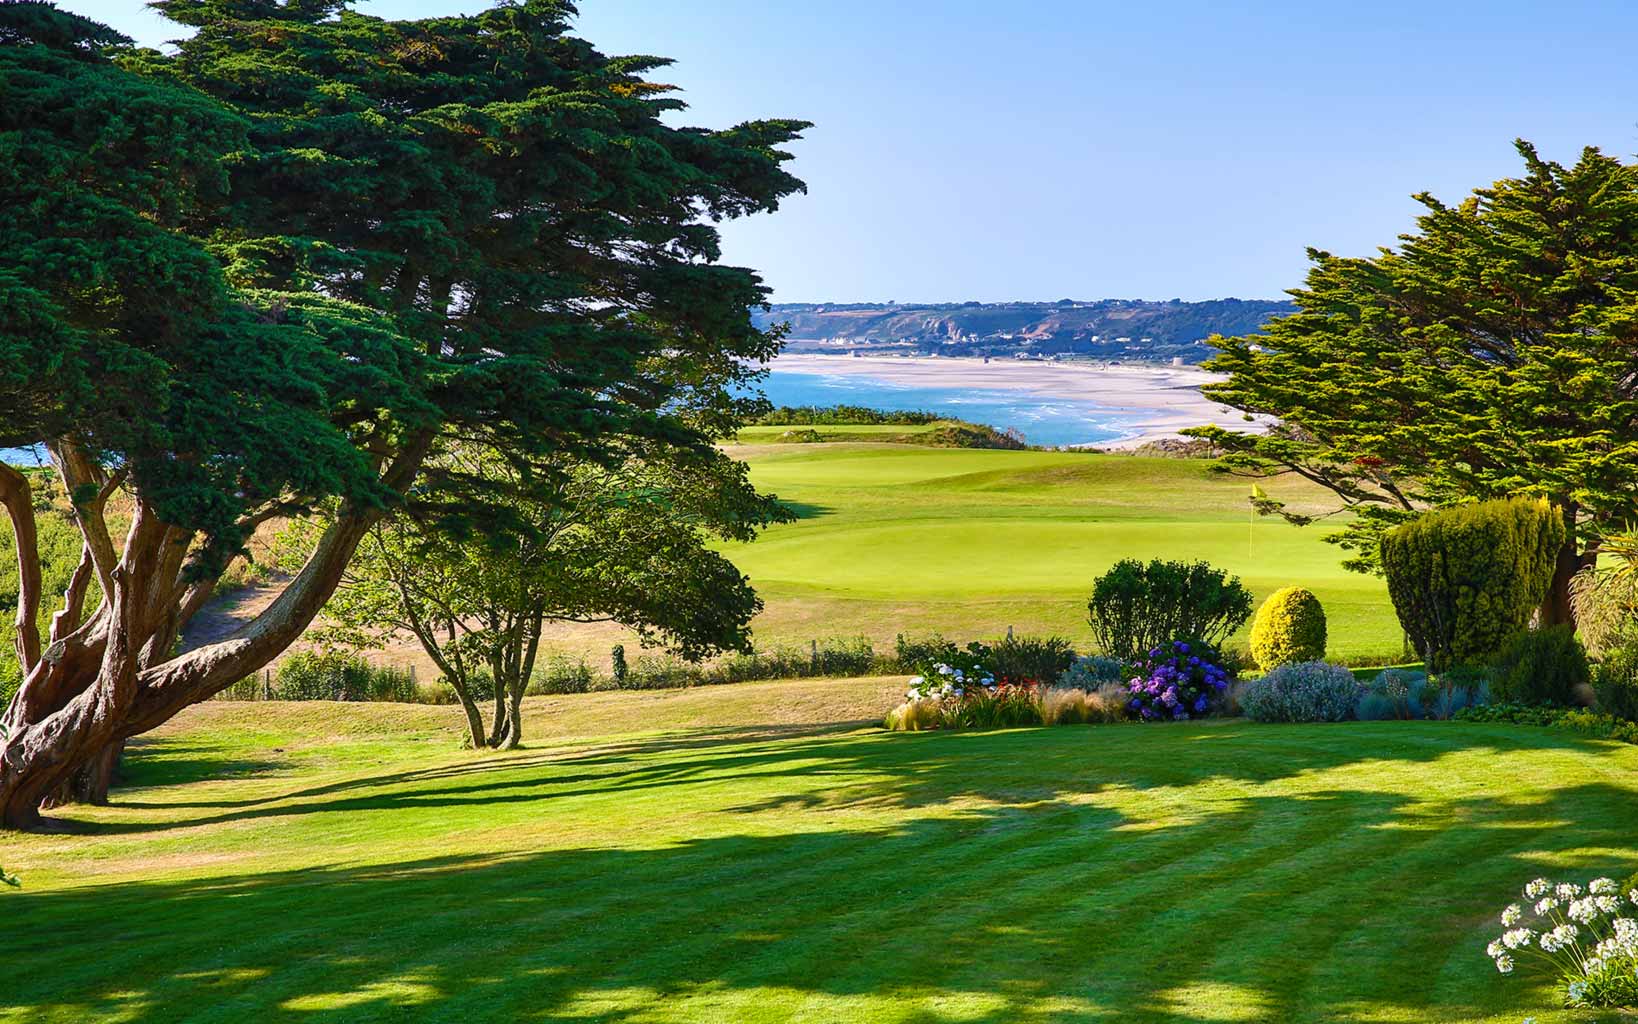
(1566, 890)
(1606, 904)
(1577, 991)
(1537, 888)
(1504, 964)
(1546, 906)
(1495, 949)
(1518, 938)
(1582, 911)
(1511, 915)
(1603, 887)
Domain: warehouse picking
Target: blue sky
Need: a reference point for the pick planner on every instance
(1043, 149)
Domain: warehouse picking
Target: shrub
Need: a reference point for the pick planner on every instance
(1615, 683)
(1510, 713)
(1177, 682)
(1290, 626)
(1463, 578)
(1136, 608)
(560, 677)
(1393, 695)
(1541, 666)
(335, 676)
(1454, 690)
(1598, 726)
(930, 649)
(1029, 659)
(1303, 691)
(617, 664)
(1091, 671)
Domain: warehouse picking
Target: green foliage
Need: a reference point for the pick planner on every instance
(617, 664)
(1480, 357)
(837, 415)
(1541, 666)
(1091, 671)
(1464, 578)
(1290, 626)
(1003, 707)
(306, 675)
(1615, 683)
(1511, 713)
(1309, 691)
(10, 880)
(1598, 726)
(1136, 608)
(972, 435)
(1028, 659)
(1392, 694)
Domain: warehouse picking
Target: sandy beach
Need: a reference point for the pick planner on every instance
(1157, 401)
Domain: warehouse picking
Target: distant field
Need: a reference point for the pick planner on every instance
(897, 538)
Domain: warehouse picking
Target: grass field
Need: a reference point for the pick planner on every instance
(756, 853)
(904, 538)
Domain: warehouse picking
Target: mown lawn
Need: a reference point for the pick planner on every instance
(898, 537)
(757, 853)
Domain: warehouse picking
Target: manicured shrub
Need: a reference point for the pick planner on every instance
(1615, 682)
(1176, 682)
(1029, 659)
(1304, 691)
(1136, 608)
(1541, 666)
(1464, 578)
(1091, 671)
(1290, 626)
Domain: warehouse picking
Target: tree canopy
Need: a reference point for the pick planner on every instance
(275, 270)
(1491, 354)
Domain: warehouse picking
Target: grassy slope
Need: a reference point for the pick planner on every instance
(762, 860)
(897, 537)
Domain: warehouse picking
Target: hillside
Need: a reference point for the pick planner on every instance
(1102, 329)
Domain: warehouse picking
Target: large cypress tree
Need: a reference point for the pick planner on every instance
(1493, 353)
(329, 244)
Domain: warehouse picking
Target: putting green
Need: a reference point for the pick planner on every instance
(898, 538)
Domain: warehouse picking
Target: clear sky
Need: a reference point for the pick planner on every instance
(1043, 149)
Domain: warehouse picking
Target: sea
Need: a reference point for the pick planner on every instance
(1043, 420)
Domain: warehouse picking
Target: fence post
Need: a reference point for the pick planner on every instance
(1009, 632)
(813, 655)
(267, 684)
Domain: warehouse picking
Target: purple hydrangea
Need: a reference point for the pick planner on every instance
(1174, 685)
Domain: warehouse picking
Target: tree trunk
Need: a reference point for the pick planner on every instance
(514, 718)
(1556, 609)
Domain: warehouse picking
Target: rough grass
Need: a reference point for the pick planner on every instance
(896, 537)
(756, 854)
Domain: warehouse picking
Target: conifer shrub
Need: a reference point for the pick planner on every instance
(1290, 626)
(1541, 666)
(1465, 578)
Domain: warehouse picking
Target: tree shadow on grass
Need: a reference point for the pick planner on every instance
(819, 767)
(1345, 905)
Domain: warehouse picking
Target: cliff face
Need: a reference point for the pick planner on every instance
(1104, 329)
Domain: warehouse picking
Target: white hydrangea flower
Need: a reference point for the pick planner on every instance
(1511, 915)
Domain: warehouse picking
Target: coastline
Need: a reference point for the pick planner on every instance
(1159, 401)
